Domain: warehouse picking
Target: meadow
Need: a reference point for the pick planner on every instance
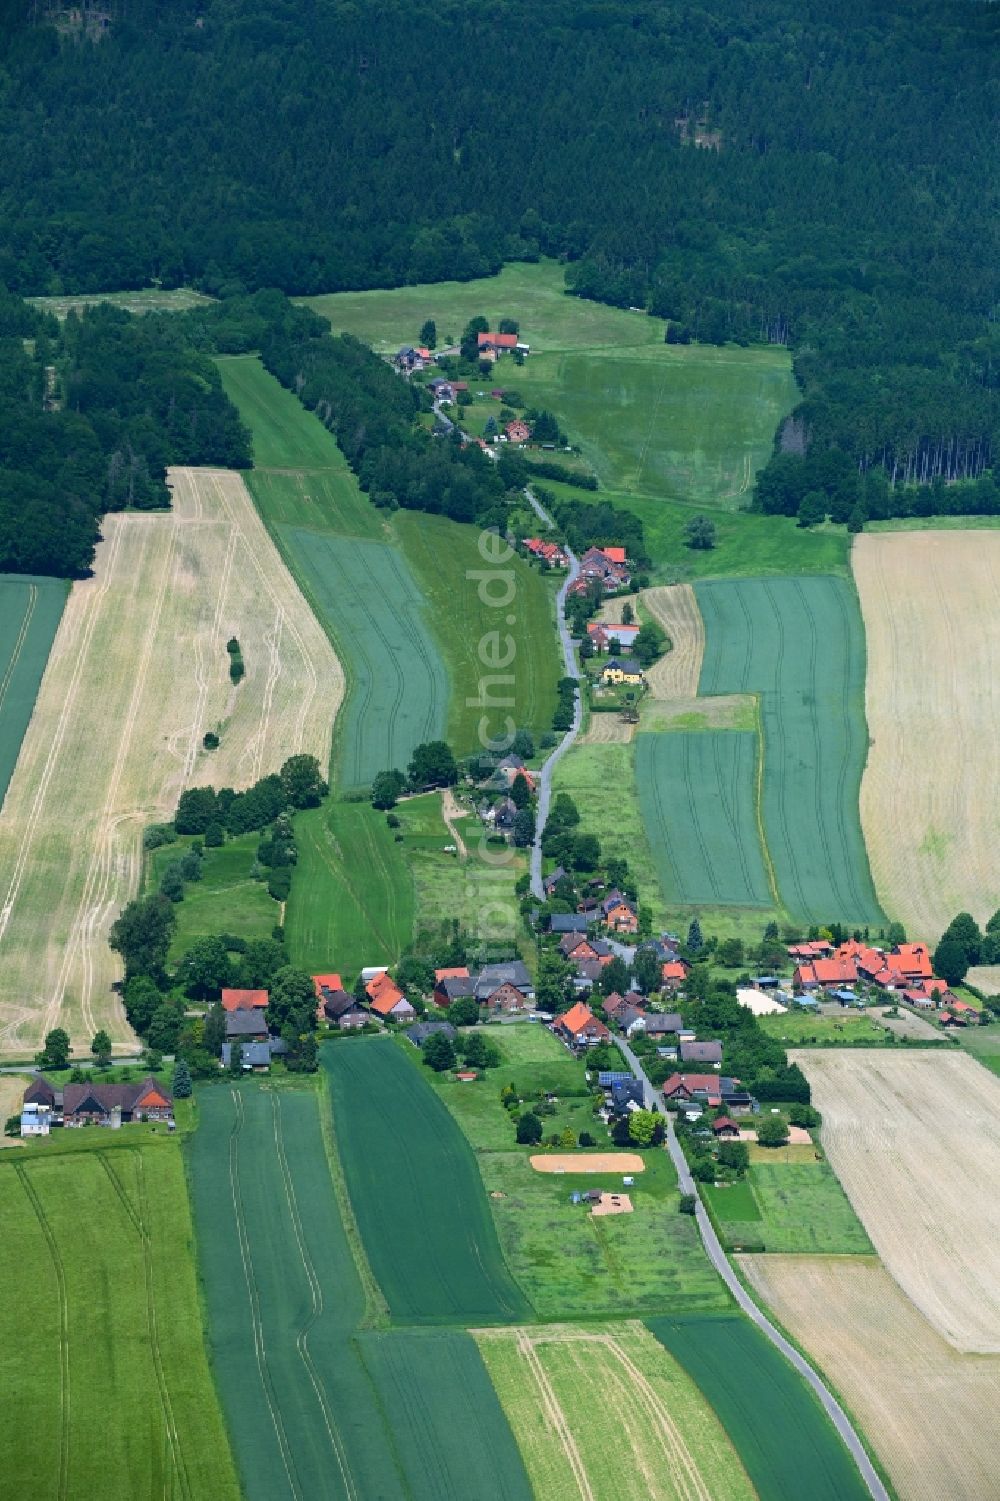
(905, 1385)
(137, 673)
(933, 701)
(799, 643)
(796, 1207)
(787, 1444)
(313, 1406)
(351, 902)
(848, 1028)
(30, 610)
(226, 899)
(415, 1191)
(914, 1137)
(664, 1444)
(101, 1314)
(697, 797)
(144, 300)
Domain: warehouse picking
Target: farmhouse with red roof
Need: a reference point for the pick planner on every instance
(246, 1000)
(580, 1027)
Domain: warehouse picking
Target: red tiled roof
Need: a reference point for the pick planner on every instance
(827, 972)
(386, 998)
(326, 982)
(615, 554)
(498, 341)
(460, 972)
(724, 1124)
(578, 1019)
(243, 1000)
(674, 969)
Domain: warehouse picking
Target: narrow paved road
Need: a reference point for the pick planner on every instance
(718, 1258)
(572, 671)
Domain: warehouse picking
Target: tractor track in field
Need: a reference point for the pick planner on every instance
(22, 636)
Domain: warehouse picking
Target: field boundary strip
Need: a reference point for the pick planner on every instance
(21, 1169)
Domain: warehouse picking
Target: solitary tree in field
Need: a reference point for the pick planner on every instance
(628, 614)
(182, 1081)
(302, 781)
(55, 1053)
(699, 533)
(529, 1129)
(101, 1049)
(772, 1131)
(428, 334)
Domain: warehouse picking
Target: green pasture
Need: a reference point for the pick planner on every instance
(225, 900)
(484, 1120)
(285, 434)
(983, 1043)
(800, 1028)
(351, 902)
(100, 1314)
(145, 300)
(697, 798)
(458, 1443)
(365, 596)
(693, 422)
(533, 294)
(30, 611)
(508, 611)
(787, 1443)
(478, 891)
(321, 500)
(601, 780)
(803, 1208)
(417, 1198)
(732, 1201)
(799, 643)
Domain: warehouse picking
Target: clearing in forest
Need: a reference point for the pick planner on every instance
(30, 609)
(915, 1140)
(933, 703)
(137, 674)
(928, 1411)
(100, 1315)
(660, 1440)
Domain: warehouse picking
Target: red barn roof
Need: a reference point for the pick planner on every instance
(243, 1000)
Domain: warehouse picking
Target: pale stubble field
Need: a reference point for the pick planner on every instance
(137, 674)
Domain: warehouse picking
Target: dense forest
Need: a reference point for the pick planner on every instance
(821, 173)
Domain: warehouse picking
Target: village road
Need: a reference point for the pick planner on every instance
(718, 1258)
(572, 671)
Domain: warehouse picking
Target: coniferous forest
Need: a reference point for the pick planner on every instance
(820, 173)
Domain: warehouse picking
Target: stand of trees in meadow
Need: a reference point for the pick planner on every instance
(91, 414)
(797, 172)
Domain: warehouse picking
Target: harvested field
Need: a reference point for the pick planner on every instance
(30, 609)
(928, 1411)
(799, 644)
(589, 1162)
(696, 793)
(12, 1087)
(675, 609)
(607, 729)
(985, 977)
(933, 703)
(787, 1443)
(915, 1141)
(138, 672)
(664, 1442)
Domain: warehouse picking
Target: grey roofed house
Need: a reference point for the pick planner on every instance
(420, 1031)
(660, 1026)
(601, 948)
(552, 881)
(628, 1014)
(255, 1054)
(456, 986)
(41, 1092)
(627, 1093)
(246, 1024)
(337, 1002)
(568, 922)
(589, 970)
(512, 972)
(701, 1052)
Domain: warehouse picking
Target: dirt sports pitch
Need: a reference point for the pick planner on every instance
(928, 1411)
(915, 1141)
(591, 1162)
(138, 672)
(933, 704)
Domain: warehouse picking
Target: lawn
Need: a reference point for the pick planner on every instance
(800, 1029)
(697, 794)
(30, 611)
(734, 1201)
(415, 1192)
(351, 902)
(692, 423)
(663, 1443)
(100, 1314)
(285, 434)
(788, 1445)
(800, 644)
(225, 900)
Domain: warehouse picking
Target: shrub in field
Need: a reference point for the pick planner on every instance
(210, 740)
(237, 670)
(529, 1129)
(687, 1204)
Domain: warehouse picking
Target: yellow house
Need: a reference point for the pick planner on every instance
(622, 672)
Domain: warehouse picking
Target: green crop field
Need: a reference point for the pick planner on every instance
(30, 611)
(417, 1197)
(314, 1407)
(100, 1316)
(351, 902)
(690, 422)
(322, 500)
(458, 1444)
(225, 900)
(697, 797)
(366, 597)
(787, 1444)
(799, 643)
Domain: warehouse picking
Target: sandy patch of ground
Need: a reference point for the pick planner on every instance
(613, 1204)
(928, 1411)
(450, 810)
(138, 672)
(915, 1140)
(931, 821)
(589, 1162)
(798, 1136)
(906, 1024)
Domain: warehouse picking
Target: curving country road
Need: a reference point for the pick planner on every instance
(572, 671)
(720, 1261)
